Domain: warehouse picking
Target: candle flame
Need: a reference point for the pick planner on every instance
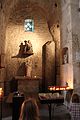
(52, 88)
(1, 92)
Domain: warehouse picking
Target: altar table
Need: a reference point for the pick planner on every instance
(49, 99)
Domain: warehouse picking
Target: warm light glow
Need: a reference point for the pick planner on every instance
(67, 75)
(68, 88)
(1, 92)
(70, 83)
(63, 88)
(53, 88)
(29, 25)
(57, 88)
(50, 88)
(35, 76)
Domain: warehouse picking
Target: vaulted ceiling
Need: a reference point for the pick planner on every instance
(50, 9)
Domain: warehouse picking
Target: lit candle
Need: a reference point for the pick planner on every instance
(67, 88)
(1, 92)
(51, 88)
(57, 88)
(35, 76)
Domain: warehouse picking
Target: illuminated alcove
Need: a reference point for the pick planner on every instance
(16, 34)
(47, 28)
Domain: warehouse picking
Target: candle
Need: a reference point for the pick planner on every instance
(1, 92)
(51, 88)
(35, 76)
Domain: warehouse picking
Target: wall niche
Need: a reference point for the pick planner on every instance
(65, 55)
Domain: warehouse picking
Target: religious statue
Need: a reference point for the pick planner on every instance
(26, 48)
(65, 55)
(30, 49)
(21, 50)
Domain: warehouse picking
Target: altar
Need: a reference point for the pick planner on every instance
(28, 85)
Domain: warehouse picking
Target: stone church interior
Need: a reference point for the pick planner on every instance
(39, 51)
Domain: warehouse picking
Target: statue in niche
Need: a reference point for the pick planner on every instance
(30, 49)
(65, 55)
(25, 48)
(21, 50)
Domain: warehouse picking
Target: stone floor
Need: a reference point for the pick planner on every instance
(59, 112)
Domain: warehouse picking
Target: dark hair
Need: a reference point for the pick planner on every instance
(75, 98)
(29, 110)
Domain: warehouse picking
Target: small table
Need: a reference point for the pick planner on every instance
(50, 100)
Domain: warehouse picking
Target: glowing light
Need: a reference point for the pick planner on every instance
(35, 76)
(1, 92)
(29, 25)
(56, 88)
(51, 88)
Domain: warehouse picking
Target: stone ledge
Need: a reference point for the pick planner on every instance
(26, 78)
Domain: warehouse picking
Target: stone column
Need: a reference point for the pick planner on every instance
(66, 42)
(48, 64)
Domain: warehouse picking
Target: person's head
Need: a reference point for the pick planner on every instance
(75, 98)
(29, 110)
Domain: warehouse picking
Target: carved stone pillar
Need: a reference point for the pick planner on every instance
(48, 65)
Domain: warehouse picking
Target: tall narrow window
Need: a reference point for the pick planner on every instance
(29, 25)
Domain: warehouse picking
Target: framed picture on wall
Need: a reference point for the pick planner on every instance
(65, 55)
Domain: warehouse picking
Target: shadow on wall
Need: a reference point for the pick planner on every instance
(21, 70)
(48, 65)
(10, 86)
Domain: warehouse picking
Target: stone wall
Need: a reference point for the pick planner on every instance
(55, 30)
(15, 34)
(70, 32)
(75, 5)
(66, 41)
(46, 15)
